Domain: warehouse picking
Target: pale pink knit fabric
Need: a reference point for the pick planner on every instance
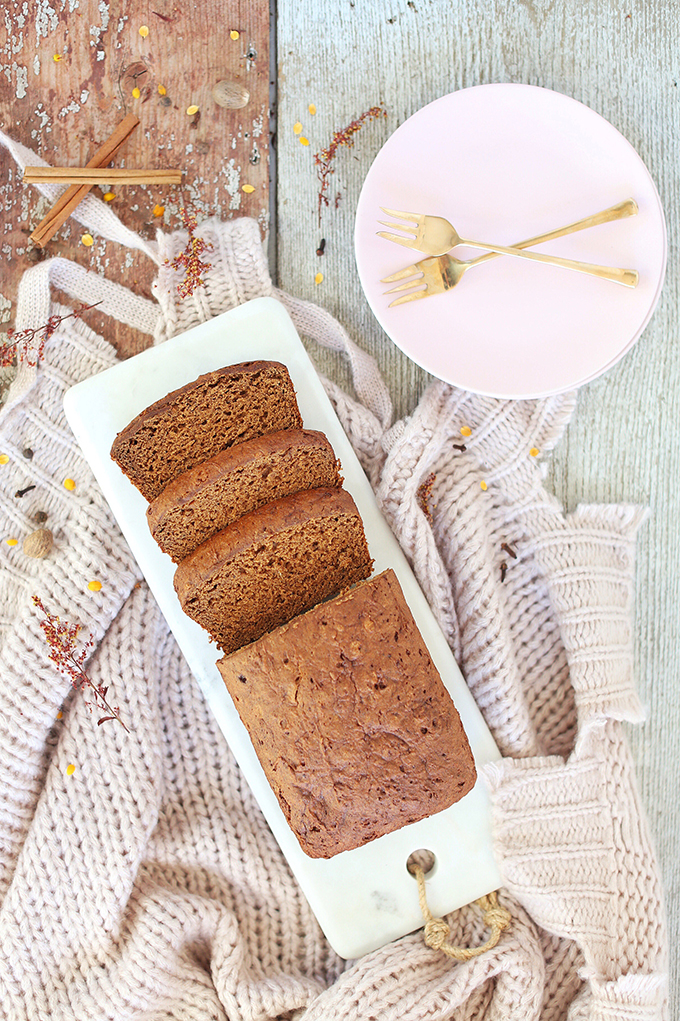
(147, 885)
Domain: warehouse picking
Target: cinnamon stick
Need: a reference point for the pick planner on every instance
(66, 203)
(92, 175)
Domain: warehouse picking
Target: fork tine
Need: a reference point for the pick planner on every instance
(404, 287)
(409, 242)
(399, 226)
(408, 297)
(416, 217)
(401, 275)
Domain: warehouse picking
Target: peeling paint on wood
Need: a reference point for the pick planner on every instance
(67, 73)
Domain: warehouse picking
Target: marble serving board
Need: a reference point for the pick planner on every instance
(362, 898)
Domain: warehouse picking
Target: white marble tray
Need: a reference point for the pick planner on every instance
(362, 898)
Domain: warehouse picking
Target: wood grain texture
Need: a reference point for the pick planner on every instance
(64, 108)
(623, 61)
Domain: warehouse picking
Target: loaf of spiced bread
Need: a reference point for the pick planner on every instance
(272, 564)
(350, 719)
(191, 424)
(207, 498)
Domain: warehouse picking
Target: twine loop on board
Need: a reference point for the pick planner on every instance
(437, 931)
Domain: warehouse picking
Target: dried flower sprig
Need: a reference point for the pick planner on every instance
(23, 344)
(62, 639)
(424, 495)
(324, 159)
(190, 258)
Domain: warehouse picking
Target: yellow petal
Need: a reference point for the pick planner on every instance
(297, 127)
(11, 542)
(304, 141)
(158, 210)
(70, 769)
(312, 109)
(143, 31)
(191, 110)
(162, 90)
(248, 188)
(109, 196)
(466, 431)
(318, 278)
(4, 458)
(234, 34)
(94, 586)
(69, 484)
(136, 93)
(484, 486)
(534, 452)
(87, 240)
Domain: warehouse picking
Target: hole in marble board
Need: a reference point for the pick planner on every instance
(422, 857)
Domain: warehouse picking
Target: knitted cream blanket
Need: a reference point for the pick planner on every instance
(145, 883)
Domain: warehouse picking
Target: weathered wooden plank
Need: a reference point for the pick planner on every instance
(621, 60)
(67, 76)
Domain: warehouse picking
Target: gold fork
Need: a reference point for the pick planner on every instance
(441, 273)
(435, 236)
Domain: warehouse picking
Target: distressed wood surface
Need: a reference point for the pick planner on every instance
(623, 60)
(67, 75)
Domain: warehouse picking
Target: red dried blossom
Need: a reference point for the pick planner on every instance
(62, 639)
(424, 495)
(190, 258)
(23, 344)
(345, 137)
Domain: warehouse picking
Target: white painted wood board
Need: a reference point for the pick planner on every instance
(623, 60)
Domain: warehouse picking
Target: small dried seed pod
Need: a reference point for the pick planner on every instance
(230, 95)
(39, 543)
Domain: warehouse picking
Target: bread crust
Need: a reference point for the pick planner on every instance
(273, 564)
(236, 481)
(196, 421)
(350, 719)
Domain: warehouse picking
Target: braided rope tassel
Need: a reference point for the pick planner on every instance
(437, 931)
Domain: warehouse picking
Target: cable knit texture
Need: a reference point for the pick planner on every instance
(147, 885)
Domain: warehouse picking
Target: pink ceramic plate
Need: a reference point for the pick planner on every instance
(502, 163)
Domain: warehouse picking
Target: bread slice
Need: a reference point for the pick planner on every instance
(198, 420)
(272, 564)
(350, 719)
(234, 482)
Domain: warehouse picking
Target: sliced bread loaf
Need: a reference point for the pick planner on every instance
(272, 564)
(350, 719)
(238, 480)
(198, 420)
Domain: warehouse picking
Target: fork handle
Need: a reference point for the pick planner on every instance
(618, 212)
(627, 277)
